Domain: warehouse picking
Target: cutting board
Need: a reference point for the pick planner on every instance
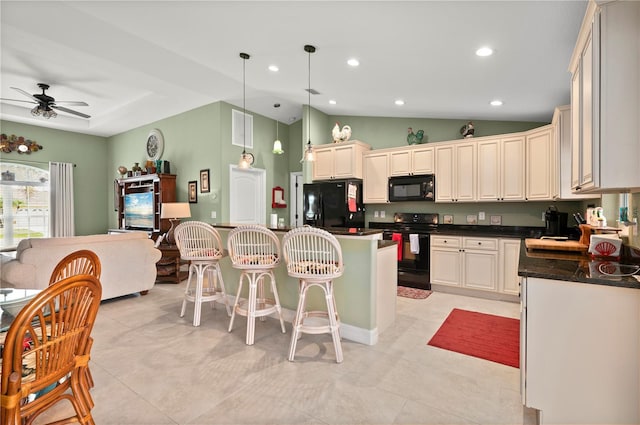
(551, 245)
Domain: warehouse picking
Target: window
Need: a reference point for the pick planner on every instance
(24, 204)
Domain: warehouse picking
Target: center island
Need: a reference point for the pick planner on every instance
(365, 294)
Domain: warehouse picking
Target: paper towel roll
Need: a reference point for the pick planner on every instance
(274, 221)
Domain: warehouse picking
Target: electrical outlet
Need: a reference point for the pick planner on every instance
(376, 214)
(481, 215)
(214, 214)
(543, 216)
(382, 214)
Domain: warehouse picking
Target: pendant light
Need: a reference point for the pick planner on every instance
(246, 159)
(308, 152)
(277, 144)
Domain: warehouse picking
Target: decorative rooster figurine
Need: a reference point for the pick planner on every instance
(341, 135)
(415, 138)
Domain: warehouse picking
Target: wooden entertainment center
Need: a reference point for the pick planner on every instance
(162, 188)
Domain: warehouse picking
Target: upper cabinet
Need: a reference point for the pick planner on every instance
(376, 177)
(410, 161)
(540, 164)
(605, 99)
(339, 160)
(501, 169)
(561, 123)
(456, 172)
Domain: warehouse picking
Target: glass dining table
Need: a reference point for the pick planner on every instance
(12, 300)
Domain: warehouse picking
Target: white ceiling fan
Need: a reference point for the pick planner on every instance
(47, 105)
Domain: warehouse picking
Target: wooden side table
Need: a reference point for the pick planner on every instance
(169, 265)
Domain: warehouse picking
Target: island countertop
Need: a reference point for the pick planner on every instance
(574, 267)
(343, 231)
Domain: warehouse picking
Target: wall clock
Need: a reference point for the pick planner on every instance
(155, 145)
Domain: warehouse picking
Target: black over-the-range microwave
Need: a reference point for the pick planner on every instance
(412, 188)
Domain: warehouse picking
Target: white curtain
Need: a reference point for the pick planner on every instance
(61, 206)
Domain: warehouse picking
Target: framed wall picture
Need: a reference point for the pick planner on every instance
(193, 192)
(204, 181)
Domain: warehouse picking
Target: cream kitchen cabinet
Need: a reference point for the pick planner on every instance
(540, 164)
(376, 177)
(412, 161)
(561, 123)
(339, 160)
(456, 172)
(501, 169)
(605, 99)
(466, 262)
(508, 258)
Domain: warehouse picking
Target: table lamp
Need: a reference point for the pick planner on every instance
(174, 211)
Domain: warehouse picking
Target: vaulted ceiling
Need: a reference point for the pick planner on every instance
(136, 62)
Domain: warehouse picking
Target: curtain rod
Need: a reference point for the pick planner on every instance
(26, 160)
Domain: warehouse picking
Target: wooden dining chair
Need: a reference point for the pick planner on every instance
(79, 262)
(44, 357)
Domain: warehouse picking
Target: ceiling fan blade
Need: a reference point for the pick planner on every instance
(72, 102)
(29, 95)
(16, 100)
(70, 111)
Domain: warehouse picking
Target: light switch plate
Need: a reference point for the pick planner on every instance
(376, 214)
(481, 215)
(214, 214)
(382, 214)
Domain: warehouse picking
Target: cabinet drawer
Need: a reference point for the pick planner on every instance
(446, 241)
(489, 244)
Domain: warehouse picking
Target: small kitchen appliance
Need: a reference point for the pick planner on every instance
(555, 222)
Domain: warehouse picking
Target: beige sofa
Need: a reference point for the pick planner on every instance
(128, 261)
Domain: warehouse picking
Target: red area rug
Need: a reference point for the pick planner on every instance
(415, 293)
(481, 335)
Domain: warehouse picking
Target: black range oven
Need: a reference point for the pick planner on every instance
(412, 233)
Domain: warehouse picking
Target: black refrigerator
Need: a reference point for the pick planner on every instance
(336, 203)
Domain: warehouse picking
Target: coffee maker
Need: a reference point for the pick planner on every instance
(555, 222)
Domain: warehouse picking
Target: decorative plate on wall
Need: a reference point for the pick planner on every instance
(155, 145)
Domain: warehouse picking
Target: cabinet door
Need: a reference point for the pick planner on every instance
(489, 170)
(444, 173)
(423, 161)
(465, 172)
(323, 164)
(480, 269)
(513, 169)
(508, 282)
(446, 267)
(400, 163)
(587, 113)
(539, 165)
(376, 178)
(344, 161)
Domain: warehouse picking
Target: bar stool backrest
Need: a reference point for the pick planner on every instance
(310, 252)
(198, 241)
(252, 246)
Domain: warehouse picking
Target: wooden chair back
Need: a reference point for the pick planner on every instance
(79, 262)
(45, 350)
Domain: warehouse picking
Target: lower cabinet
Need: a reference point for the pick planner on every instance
(478, 263)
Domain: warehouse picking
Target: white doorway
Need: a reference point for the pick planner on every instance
(247, 194)
(296, 201)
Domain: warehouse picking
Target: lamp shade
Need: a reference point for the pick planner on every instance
(175, 210)
(277, 147)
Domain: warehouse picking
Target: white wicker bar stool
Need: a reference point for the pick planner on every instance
(314, 256)
(201, 245)
(255, 250)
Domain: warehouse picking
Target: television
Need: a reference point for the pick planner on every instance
(139, 211)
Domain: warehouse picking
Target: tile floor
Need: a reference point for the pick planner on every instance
(152, 367)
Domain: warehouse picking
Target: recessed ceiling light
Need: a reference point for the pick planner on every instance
(484, 51)
(399, 102)
(353, 62)
(274, 68)
(496, 102)
(332, 102)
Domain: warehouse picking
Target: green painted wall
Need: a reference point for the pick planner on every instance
(93, 198)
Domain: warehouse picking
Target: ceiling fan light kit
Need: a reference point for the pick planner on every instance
(46, 105)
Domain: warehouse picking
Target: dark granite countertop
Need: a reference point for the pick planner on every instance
(489, 231)
(574, 267)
